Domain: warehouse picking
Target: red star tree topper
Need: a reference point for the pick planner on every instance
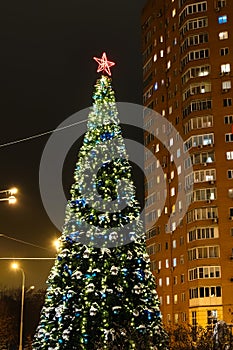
(104, 64)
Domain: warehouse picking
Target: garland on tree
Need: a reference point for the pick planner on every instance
(101, 293)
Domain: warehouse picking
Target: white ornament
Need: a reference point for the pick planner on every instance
(114, 270)
(113, 236)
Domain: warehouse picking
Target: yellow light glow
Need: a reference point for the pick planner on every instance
(56, 244)
(15, 266)
(13, 190)
(12, 200)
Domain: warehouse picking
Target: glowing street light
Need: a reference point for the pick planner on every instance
(15, 266)
(9, 195)
(13, 190)
(57, 244)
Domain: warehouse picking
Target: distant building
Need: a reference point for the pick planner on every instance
(187, 76)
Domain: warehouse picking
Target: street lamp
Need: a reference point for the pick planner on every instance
(16, 266)
(9, 195)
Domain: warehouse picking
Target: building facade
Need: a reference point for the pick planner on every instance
(187, 49)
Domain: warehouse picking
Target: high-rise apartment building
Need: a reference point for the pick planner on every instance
(187, 76)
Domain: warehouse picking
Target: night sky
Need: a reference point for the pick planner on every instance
(47, 74)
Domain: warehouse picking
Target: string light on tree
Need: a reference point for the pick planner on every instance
(101, 293)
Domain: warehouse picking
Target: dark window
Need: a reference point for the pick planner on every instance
(202, 292)
(227, 102)
(218, 291)
(224, 51)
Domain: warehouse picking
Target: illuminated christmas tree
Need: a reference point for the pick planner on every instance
(101, 293)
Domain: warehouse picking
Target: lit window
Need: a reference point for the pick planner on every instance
(168, 299)
(160, 282)
(174, 262)
(173, 191)
(222, 19)
(179, 170)
(167, 281)
(175, 41)
(174, 243)
(226, 85)
(173, 12)
(223, 35)
(165, 210)
(162, 81)
(157, 163)
(171, 141)
(169, 64)
(212, 317)
(161, 53)
(175, 298)
(159, 264)
(225, 68)
(168, 49)
(163, 112)
(167, 263)
(172, 174)
(156, 86)
(229, 155)
(173, 228)
(161, 39)
(157, 148)
(158, 179)
(155, 57)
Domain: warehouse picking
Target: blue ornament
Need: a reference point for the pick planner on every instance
(149, 314)
(93, 153)
(125, 271)
(68, 239)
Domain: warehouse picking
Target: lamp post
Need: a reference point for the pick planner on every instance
(15, 266)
